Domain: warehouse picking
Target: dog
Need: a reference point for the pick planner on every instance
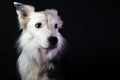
(39, 41)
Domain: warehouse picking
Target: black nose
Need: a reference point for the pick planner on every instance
(53, 40)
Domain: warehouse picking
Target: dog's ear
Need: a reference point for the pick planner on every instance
(23, 10)
(55, 13)
(52, 11)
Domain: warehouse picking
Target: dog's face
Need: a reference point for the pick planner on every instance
(42, 27)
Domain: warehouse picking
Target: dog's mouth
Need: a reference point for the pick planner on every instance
(51, 47)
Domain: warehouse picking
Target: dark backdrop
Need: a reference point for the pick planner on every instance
(90, 27)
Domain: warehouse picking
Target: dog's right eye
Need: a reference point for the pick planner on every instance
(38, 25)
(56, 26)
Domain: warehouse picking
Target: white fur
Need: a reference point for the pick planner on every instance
(33, 42)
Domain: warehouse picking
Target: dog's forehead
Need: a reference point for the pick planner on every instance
(43, 16)
(37, 15)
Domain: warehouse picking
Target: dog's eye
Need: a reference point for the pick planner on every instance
(38, 25)
(56, 26)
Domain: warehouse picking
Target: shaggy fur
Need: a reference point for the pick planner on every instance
(33, 44)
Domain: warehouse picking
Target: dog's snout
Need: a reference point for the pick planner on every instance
(53, 40)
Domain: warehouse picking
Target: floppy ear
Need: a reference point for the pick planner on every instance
(55, 13)
(23, 11)
(52, 11)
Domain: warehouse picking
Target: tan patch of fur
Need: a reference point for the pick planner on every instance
(23, 22)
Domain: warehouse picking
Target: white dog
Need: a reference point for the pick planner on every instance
(39, 42)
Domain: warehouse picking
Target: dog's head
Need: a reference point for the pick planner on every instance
(42, 27)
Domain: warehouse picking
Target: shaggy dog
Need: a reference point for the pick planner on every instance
(39, 42)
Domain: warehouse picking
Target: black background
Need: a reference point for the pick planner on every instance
(92, 29)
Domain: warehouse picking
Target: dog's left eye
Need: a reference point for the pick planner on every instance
(38, 25)
(56, 26)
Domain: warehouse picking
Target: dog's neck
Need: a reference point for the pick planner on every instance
(37, 57)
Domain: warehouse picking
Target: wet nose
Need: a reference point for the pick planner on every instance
(53, 40)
